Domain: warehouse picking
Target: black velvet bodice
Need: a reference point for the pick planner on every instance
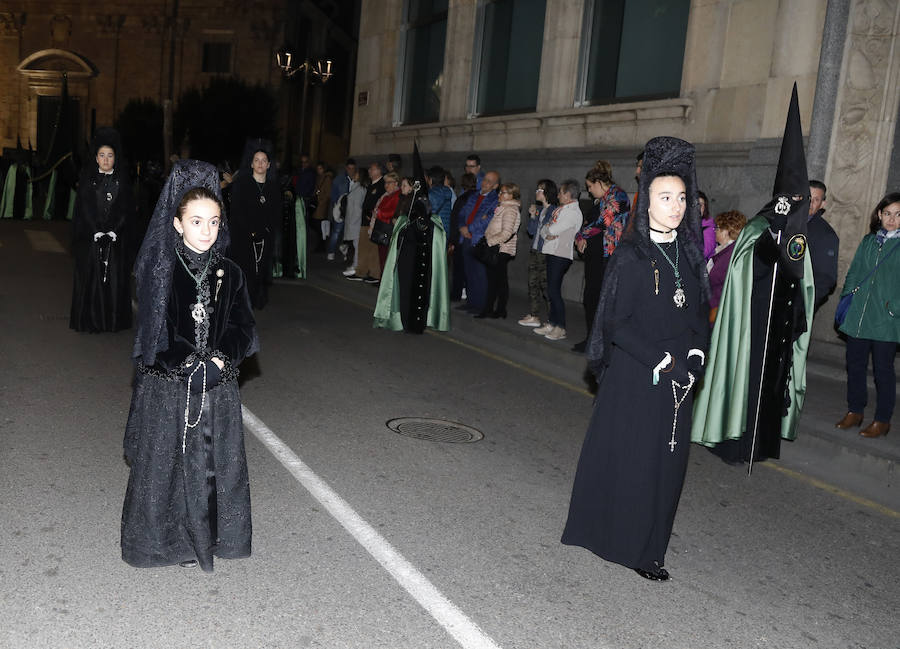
(231, 330)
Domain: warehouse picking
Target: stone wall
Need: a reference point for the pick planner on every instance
(128, 45)
(741, 59)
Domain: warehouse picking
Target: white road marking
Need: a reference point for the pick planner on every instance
(43, 241)
(447, 614)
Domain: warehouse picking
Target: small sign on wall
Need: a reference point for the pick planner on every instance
(363, 98)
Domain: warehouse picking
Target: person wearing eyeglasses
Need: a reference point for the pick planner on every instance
(501, 231)
(473, 166)
(872, 323)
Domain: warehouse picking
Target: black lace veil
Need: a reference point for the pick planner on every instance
(662, 155)
(156, 259)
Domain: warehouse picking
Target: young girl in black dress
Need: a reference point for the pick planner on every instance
(188, 495)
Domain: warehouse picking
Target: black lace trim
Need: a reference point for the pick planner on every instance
(229, 372)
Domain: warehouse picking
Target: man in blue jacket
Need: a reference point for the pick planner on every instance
(475, 216)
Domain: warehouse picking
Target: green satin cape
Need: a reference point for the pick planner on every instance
(9, 191)
(720, 405)
(300, 225)
(387, 309)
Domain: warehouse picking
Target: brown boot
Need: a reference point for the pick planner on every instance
(850, 420)
(876, 429)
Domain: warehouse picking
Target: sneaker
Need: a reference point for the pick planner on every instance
(330, 256)
(557, 333)
(343, 248)
(354, 278)
(368, 279)
(349, 272)
(530, 321)
(544, 329)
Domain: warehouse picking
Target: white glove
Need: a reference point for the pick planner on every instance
(112, 235)
(97, 235)
(663, 364)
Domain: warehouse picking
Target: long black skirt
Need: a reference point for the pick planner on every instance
(191, 504)
(629, 478)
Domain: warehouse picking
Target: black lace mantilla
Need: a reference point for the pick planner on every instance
(157, 257)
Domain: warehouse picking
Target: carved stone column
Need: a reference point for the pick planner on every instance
(865, 119)
(862, 135)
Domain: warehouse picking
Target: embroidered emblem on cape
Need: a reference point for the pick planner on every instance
(796, 247)
(783, 206)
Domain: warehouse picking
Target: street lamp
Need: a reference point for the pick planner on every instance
(315, 70)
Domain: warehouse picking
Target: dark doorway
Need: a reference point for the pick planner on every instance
(48, 117)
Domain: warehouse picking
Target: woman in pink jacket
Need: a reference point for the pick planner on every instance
(502, 231)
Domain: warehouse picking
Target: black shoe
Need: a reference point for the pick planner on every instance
(483, 314)
(499, 314)
(354, 278)
(368, 279)
(660, 574)
(580, 347)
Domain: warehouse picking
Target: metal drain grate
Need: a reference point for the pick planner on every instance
(435, 430)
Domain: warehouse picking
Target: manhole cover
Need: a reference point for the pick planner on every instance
(435, 430)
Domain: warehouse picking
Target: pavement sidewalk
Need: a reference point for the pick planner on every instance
(860, 468)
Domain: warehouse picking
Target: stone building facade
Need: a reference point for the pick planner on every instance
(125, 49)
(739, 61)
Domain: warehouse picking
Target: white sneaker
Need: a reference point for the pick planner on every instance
(530, 321)
(330, 256)
(557, 333)
(544, 329)
(348, 272)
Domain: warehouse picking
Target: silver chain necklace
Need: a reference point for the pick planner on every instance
(679, 297)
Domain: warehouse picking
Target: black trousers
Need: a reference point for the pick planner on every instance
(883, 353)
(497, 286)
(594, 268)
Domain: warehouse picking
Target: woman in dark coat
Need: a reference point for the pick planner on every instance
(188, 495)
(101, 242)
(256, 203)
(647, 349)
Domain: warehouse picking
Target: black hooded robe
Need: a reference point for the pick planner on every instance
(101, 292)
(195, 503)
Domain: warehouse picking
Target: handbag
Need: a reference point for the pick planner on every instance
(381, 233)
(487, 255)
(843, 306)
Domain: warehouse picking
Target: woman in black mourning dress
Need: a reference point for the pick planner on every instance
(101, 239)
(188, 495)
(647, 349)
(256, 204)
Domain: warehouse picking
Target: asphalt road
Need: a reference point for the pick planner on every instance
(367, 538)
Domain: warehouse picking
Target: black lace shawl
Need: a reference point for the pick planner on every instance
(662, 155)
(156, 259)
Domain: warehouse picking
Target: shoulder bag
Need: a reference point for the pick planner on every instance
(381, 232)
(489, 255)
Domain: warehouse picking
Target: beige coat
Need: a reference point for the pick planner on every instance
(503, 224)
